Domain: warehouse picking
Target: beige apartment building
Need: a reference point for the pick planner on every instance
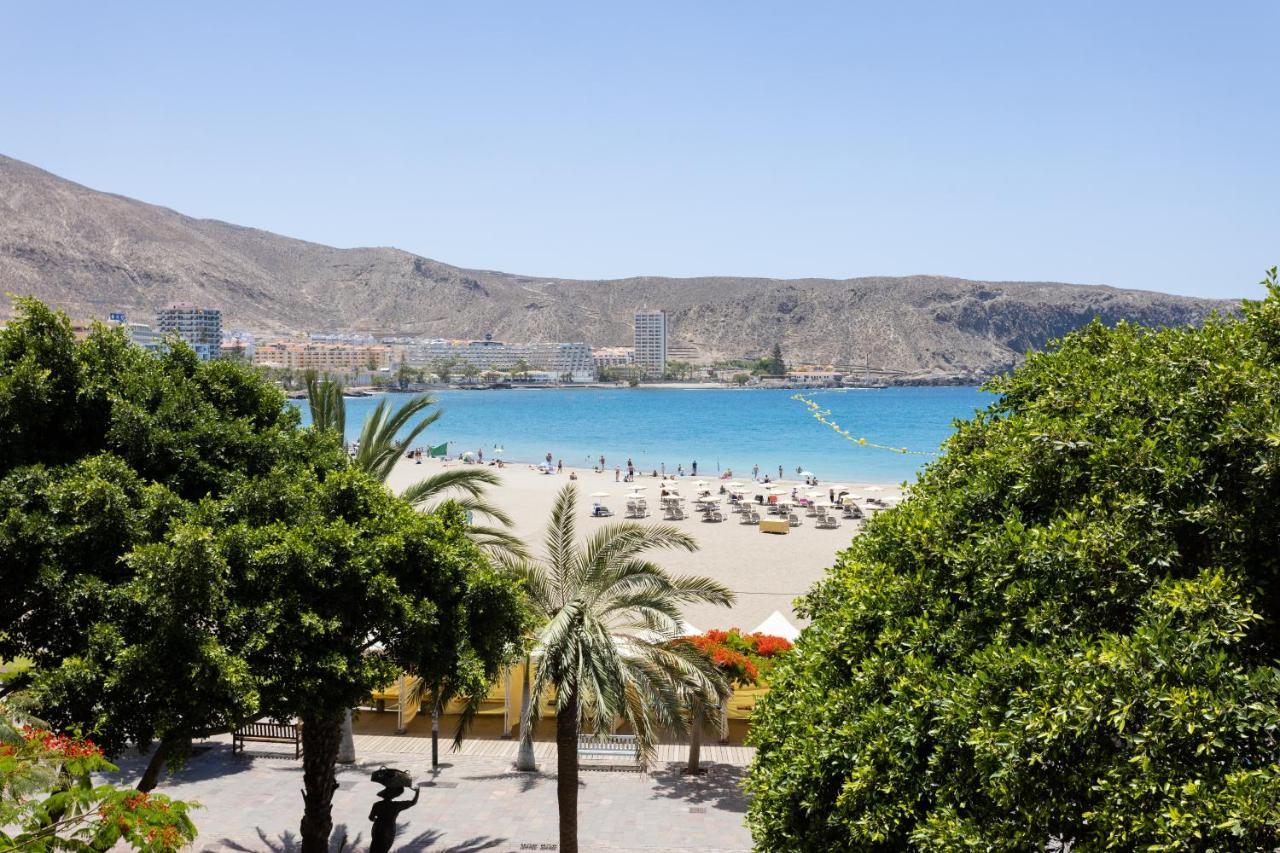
(322, 357)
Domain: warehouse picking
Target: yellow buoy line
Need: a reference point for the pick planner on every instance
(823, 415)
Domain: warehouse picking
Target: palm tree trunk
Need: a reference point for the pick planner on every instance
(347, 745)
(695, 739)
(320, 739)
(567, 773)
(524, 759)
(435, 735)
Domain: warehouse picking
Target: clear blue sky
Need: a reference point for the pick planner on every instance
(1126, 143)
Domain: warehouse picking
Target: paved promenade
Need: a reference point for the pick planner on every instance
(476, 801)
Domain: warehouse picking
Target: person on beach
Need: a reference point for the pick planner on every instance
(560, 466)
(755, 473)
(548, 459)
(695, 467)
(617, 473)
(680, 470)
(779, 472)
(601, 463)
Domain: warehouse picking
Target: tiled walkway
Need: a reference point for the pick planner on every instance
(475, 801)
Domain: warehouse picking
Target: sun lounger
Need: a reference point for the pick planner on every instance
(793, 520)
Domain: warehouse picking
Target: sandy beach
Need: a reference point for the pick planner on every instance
(767, 572)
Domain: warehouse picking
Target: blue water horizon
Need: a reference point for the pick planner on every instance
(720, 428)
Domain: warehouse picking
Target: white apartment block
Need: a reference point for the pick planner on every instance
(200, 327)
(570, 361)
(613, 356)
(145, 336)
(651, 342)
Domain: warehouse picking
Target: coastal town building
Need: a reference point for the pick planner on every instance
(145, 336)
(239, 345)
(322, 357)
(565, 362)
(814, 378)
(651, 342)
(605, 357)
(200, 327)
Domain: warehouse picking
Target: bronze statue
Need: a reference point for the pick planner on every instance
(384, 812)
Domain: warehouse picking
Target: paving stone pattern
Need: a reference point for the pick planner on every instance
(253, 802)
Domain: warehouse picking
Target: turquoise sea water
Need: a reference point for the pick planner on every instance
(720, 428)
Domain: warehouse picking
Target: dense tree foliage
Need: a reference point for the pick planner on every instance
(177, 557)
(118, 600)
(1066, 636)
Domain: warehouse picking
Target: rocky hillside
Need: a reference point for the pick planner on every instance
(92, 253)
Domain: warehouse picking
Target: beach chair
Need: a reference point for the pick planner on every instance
(755, 517)
(716, 515)
(793, 520)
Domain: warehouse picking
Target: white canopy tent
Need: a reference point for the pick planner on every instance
(777, 625)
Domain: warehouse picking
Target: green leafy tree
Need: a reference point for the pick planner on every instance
(384, 438)
(404, 375)
(741, 378)
(1065, 637)
(521, 369)
(444, 368)
(353, 586)
(609, 616)
(187, 559)
(133, 441)
(470, 371)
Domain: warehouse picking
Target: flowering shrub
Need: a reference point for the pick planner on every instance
(745, 659)
(48, 801)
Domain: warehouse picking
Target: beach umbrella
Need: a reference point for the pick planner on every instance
(638, 488)
(806, 473)
(778, 625)
(599, 494)
(873, 489)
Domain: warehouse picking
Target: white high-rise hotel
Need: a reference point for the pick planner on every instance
(651, 342)
(199, 327)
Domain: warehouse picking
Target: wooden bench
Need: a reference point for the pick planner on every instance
(608, 746)
(267, 733)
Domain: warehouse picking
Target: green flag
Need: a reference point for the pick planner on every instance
(439, 450)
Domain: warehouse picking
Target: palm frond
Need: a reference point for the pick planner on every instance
(326, 404)
(380, 449)
(471, 481)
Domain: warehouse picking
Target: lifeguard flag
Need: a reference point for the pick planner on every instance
(439, 450)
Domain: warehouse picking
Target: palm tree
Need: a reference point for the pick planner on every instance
(606, 647)
(380, 449)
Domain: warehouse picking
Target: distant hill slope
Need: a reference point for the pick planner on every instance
(92, 253)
